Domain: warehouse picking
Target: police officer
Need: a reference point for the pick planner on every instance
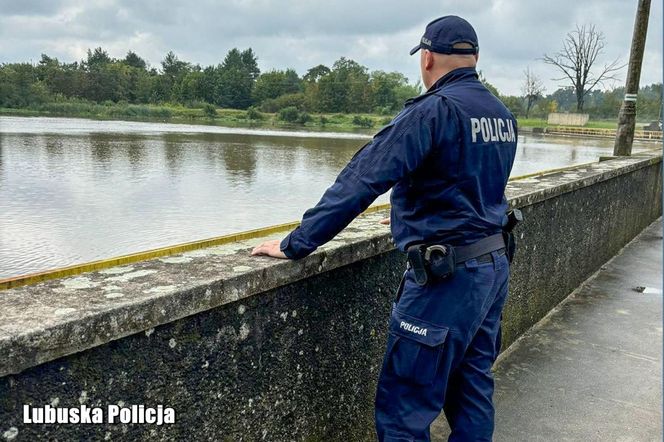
(447, 157)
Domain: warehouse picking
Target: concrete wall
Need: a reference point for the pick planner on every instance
(565, 119)
(258, 349)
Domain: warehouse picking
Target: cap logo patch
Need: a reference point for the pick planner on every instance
(426, 41)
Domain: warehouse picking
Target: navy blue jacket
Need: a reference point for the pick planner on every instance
(447, 155)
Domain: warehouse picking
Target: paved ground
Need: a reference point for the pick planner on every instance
(592, 370)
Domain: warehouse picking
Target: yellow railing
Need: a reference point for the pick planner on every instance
(76, 269)
(33, 278)
(569, 130)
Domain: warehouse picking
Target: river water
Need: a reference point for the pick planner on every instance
(76, 190)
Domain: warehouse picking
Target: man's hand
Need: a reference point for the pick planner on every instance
(385, 221)
(269, 248)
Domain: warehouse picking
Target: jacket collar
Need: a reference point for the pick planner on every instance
(452, 76)
(460, 74)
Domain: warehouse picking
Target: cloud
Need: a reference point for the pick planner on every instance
(513, 34)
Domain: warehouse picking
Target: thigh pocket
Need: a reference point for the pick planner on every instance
(416, 348)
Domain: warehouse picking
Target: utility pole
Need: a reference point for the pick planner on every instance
(627, 116)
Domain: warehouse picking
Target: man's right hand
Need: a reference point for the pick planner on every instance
(385, 221)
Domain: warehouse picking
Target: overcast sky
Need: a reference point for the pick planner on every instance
(300, 34)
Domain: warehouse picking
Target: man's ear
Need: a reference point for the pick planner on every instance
(428, 60)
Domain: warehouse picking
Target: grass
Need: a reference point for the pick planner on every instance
(175, 113)
(531, 122)
(602, 124)
(197, 115)
(592, 124)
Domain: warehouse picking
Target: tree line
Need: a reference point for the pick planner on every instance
(599, 104)
(238, 83)
(235, 83)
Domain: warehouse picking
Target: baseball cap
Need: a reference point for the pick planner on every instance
(443, 33)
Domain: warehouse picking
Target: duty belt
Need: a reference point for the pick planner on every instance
(439, 260)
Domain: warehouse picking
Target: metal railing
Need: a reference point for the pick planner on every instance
(600, 132)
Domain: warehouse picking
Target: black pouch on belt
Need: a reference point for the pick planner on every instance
(417, 263)
(514, 217)
(510, 245)
(435, 262)
(441, 260)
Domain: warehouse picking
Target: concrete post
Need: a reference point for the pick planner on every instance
(627, 116)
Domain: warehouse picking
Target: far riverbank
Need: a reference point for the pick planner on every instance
(338, 122)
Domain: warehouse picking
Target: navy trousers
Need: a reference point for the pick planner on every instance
(443, 340)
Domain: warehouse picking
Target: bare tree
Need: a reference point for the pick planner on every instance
(576, 59)
(532, 89)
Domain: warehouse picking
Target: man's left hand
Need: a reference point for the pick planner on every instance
(269, 248)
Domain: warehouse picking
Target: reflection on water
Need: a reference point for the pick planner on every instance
(75, 190)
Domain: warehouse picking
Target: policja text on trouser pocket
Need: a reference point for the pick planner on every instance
(414, 348)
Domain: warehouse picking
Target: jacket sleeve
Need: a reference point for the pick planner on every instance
(393, 153)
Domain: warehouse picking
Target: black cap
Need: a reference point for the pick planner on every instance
(443, 33)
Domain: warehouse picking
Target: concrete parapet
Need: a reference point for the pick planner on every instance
(258, 349)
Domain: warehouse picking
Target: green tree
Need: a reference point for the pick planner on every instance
(649, 102)
(385, 90)
(141, 86)
(133, 60)
(565, 97)
(345, 89)
(97, 57)
(174, 68)
(406, 91)
(275, 83)
(237, 74)
(174, 71)
(316, 73)
(16, 85)
(66, 80)
(250, 63)
(210, 85)
(514, 104)
(191, 87)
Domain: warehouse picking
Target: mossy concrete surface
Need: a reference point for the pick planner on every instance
(249, 348)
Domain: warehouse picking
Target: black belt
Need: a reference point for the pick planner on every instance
(479, 248)
(439, 260)
(482, 259)
(487, 257)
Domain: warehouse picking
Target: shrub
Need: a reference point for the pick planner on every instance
(304, 117)
(361, 121)
(210, 111)
(296, 100)
(289, 114)
(323, 120)
(253, 114)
